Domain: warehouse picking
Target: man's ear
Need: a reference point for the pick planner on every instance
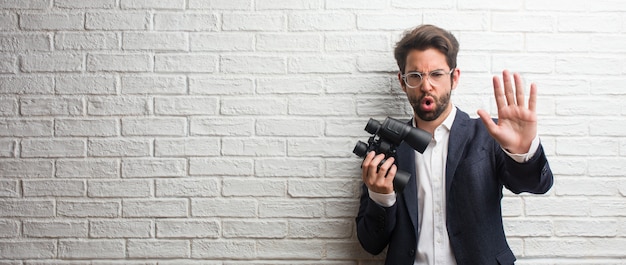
(455, 77)
(402, 84)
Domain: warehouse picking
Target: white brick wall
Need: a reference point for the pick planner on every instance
(220, 132)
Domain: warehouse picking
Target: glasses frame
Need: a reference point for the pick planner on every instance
(421, 75)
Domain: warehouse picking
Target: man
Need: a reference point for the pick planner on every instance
(450, 212)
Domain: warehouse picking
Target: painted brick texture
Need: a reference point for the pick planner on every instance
(220, 131)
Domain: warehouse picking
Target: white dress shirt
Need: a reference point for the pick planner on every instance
(433, 243)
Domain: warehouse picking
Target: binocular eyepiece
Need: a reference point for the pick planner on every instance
(391, 133)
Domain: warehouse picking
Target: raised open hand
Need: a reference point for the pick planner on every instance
(517, 123)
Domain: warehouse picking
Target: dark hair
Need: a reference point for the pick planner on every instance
(424, 37)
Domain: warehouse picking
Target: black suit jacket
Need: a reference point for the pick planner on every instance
(477, 168)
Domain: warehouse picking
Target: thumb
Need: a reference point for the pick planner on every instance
(489, 123)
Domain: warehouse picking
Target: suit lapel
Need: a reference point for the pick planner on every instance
(456, 146)
(406, 162)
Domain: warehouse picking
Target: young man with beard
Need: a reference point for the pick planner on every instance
(450, 210)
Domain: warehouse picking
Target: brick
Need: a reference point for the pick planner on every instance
(323, 188)
(220, 207)
(326, 106)
(87, 85)
(253, 106)
(87, 127)
(91, 208)
(574, 247)
(138, 248)
(538, 64)
(187, 63)
(288, 249)
(21, 42)
(586, 187)
(557, 207)
(86, 41)
(26, 168)
(608, 207)
(356, 42)
(202, 85)
(469, 21)
(55, 229)
(349, 250)
(26, 208)
(218, 4)
(587, 147)
(611, 166)
(74, 4)
(383, 106)
(223, 41)
(291, 5)
(254, 229)
(91, 249)
(264, 147)
(146, 4)
(300, 85)
(154, 126)
(288, 42)
(321, 64)
(487, 41)
(26, 85)
(28, 249)
(109, 106)
(530, 228)
(25, 128)
(153, 84)
(320, 229)
(241, 64)
(204, 187)
(8, 107)
(53, 148)
(289, 127)
(101, 168)
(8, 21)
(340, 208)
(365, 84)
(117, 21)
(344, 167)
(187, 147)
(395, 21)
(253, 22)
(52, 21)
(8, 63)
(155, 208)
(217, 126)
(177, 106)
(291, 208)
(320, 148)
(281, 167)
(53, 188)
(147, 168)
(119, 147)
(586, 228)
(125, 188)
(9, 228)
(490, 4)
(126, 228)
(220, 166)
(9, 189)
(56, 106)
(119, 62)
(573, 64)
(220, 249)
(606, 127)
(318, 21)
(343, 127)
(588, 23)
(523, 22)
(606, 86)
(544, 42)
(187, 229)
(243, 187)
(185, 22)
(563, 127)
(155, 41)
(7, 148)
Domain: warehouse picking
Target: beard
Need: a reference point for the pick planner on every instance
(440, 106)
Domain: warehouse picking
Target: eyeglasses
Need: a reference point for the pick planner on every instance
(435, 78)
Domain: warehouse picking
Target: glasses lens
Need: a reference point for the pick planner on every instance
(413, 79)
(437, 77)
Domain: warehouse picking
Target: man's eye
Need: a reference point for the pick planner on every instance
(436, 74)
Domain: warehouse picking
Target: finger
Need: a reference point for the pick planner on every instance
(365, 165)
(519, 89)
(508, 88)
(373, 166)
(391, 175)
(532, 102)
(497, 93)
(492, 127)
(382, 171)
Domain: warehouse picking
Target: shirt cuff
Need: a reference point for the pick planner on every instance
(521, 158)
(384, 200)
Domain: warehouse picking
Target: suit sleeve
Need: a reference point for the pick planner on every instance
(375, 224)
(534, 175)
